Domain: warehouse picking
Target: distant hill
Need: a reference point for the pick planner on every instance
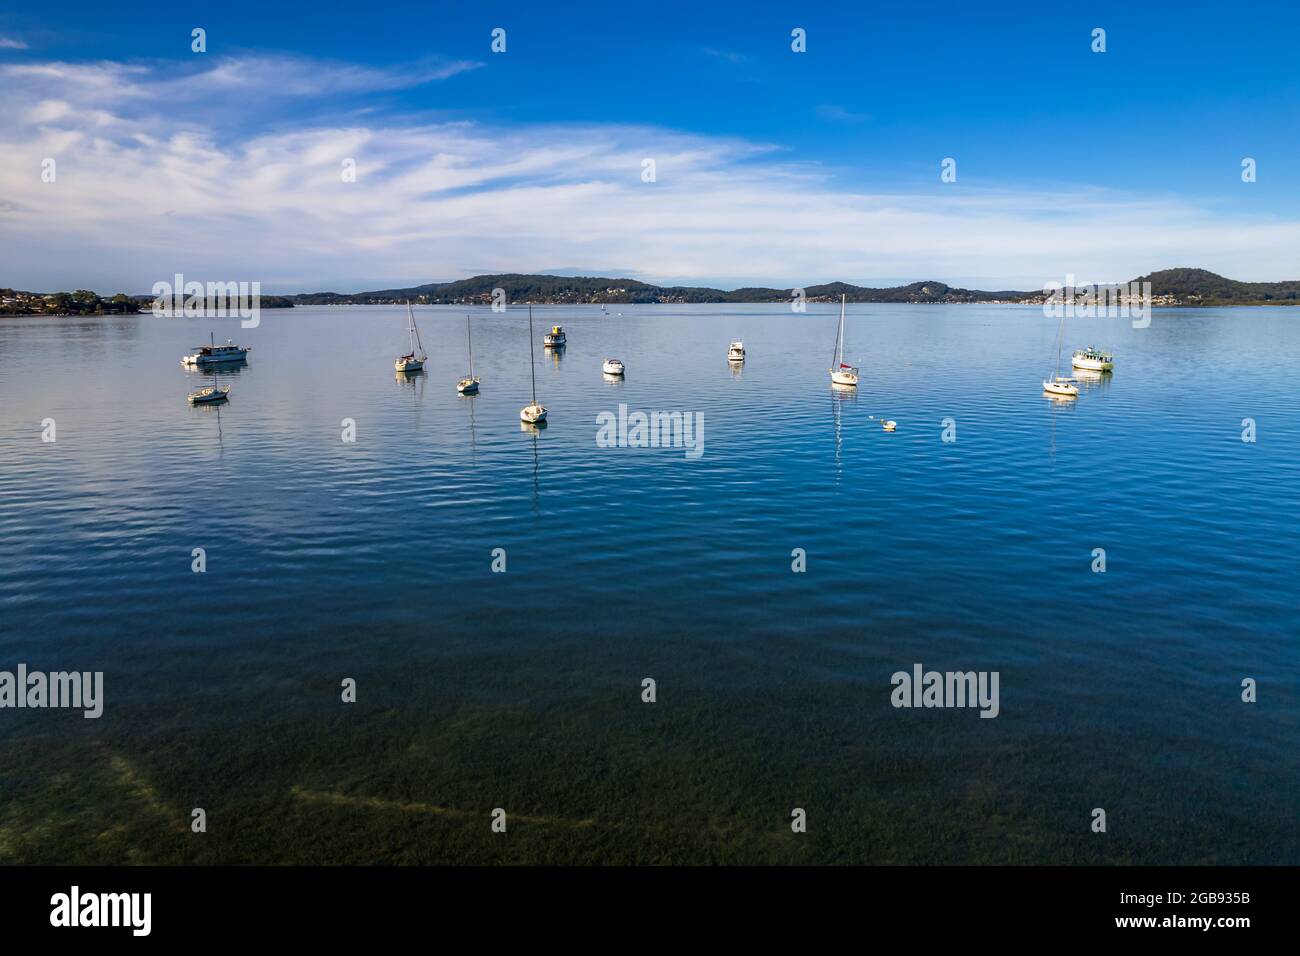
(1169, 287)
(586, 289)
(1207, 288)
(1183, 287)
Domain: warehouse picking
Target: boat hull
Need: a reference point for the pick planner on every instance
(1063, 389)
(532, 415)
(467, 387)
(1092, 365)
(412, 366)
(201, 360)
(844, 378)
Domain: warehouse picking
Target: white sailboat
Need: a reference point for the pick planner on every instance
(533, 414)
(210, 395)
(412, 361)
(1060, 385)
(469, 384)
(841, 372)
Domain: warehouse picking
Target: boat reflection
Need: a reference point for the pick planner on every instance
(217, 370)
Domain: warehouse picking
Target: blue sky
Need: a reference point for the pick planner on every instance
(772, 166)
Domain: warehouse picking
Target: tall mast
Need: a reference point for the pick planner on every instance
(470, 339)
(1060, 337)
(841, 339)
(839, 333)
(532, 359)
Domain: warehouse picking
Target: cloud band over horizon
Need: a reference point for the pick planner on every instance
(233, 170)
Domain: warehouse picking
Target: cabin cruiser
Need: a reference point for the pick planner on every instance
(554, 339)
(213, 354)
(612, 366)
(1094, 360)
(736, 351)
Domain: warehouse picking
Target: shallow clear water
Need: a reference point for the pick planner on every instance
(372, 560)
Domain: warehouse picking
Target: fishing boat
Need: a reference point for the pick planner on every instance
(210, 395)
(612, 366)
(841, 372)
(1060, 385)
(554, 339)
(412, 361)
(1093, 360)
(533, 414)
(736, 351)
(469, 384)
(214, 354)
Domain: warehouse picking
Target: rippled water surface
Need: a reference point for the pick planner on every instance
(372, 560)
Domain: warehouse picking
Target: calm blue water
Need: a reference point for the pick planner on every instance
(372, 560)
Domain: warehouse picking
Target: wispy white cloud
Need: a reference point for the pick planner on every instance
(838, 114)
(12, 43)
(726, 56)
(153, 179)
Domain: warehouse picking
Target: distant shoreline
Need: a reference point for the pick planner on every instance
(1169, 288)
(359, 305)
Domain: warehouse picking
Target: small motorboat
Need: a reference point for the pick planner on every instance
(736, 351)
(612, 366)
(210, 395)
(1093, 360)
(214, 354)
(412, 361)
(889, 425)
(555, 338)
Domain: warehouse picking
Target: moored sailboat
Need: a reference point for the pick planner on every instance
(1060, 385)
(469, 384)
(841, 372)
(412, 361)
(533, 414)
(209, 395)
